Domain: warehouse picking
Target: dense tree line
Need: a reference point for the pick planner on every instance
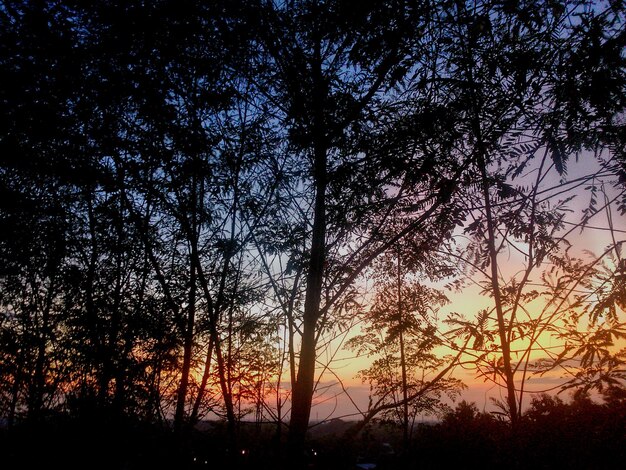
(195, 195)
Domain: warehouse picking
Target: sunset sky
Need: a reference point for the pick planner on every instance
(223, 222)
(587, 244)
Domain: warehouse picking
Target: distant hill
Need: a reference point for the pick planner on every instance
(335, 426)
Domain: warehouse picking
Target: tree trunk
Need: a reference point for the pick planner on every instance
(188, 346)
(217, 348)
(302, 395)
(15, 390)
(405, 407)
(495, 286)
(193, 419)
(228, 399)
(303, 390)
(39, 379)
(181, 398)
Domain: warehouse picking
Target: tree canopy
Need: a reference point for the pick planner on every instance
(196, 198)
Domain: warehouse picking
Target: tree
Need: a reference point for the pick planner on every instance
(401, 332)
(185, 180)
(504, 64)
(329, 73)
(188, 149)
(40, 166)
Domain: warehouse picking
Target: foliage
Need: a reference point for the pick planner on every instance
(400, 333)
(196, 195)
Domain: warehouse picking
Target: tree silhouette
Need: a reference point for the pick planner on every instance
(195, 195)
(400, 331)
(509, 58)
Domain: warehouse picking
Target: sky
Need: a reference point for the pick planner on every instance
(332, 402)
